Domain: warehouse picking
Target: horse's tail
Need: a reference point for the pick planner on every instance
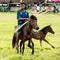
(14, 41)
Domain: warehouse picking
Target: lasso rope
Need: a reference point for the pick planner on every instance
(21, 26)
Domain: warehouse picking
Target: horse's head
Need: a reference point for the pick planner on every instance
(33, 22)
(50, 29)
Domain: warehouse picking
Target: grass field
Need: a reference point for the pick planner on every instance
(7, 23)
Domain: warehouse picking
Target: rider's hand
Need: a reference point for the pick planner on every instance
(28, 18)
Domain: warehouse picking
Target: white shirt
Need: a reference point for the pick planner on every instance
(38, 8)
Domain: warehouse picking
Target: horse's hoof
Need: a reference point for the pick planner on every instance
(22, 52)
(53, 47)
(30, 46)
(41, 49)
(17, 52)
(32, 52)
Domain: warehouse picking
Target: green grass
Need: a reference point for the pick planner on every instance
(7, 23)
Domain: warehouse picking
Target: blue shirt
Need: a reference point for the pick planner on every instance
(22, 14)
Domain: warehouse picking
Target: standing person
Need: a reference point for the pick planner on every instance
(38, 8)
(10, 4)
(42, 2)
(32, 6)
(22, 15)
(41, 5)
(56, 8)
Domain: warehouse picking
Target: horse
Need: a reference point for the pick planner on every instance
(26, 31)
(41, 34)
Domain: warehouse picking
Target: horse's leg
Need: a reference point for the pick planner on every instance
(23, 43)
(29, 44)
(41, 44)
(32, 47)
(49, 43)
(24, 39)
(17, 40)
(20, 46)
(17, 47)
(23, 47)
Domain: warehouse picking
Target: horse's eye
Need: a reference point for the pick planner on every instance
(35, 20)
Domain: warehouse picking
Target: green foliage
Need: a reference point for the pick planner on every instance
(1, 8)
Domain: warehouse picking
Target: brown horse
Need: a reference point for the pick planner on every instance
(41, 34)
(27, 29)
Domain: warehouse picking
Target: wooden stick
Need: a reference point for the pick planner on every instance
(44, 12)
(21, 26)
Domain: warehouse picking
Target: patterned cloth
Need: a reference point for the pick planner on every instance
(22, 14)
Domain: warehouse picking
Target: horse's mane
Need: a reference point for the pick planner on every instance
(45, 28)
(33, 17)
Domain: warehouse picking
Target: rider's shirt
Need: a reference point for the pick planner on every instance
(22, 14)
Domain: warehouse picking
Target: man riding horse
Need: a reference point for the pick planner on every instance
(22, 16)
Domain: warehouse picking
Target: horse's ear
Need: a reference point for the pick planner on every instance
(31, 16)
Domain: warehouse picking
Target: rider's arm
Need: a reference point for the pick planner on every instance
(19, 17)
(23, 19)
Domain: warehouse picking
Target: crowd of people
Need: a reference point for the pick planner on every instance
(41, 6)
(38, 7)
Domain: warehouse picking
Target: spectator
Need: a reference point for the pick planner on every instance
(33, 7)
(56, 8)
(42, 2)
(38, 8)
(10, 4)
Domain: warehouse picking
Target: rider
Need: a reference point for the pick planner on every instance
(22, 15)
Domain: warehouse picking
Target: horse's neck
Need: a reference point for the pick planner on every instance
(36, 35)
(45, 31)
(29, 28)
